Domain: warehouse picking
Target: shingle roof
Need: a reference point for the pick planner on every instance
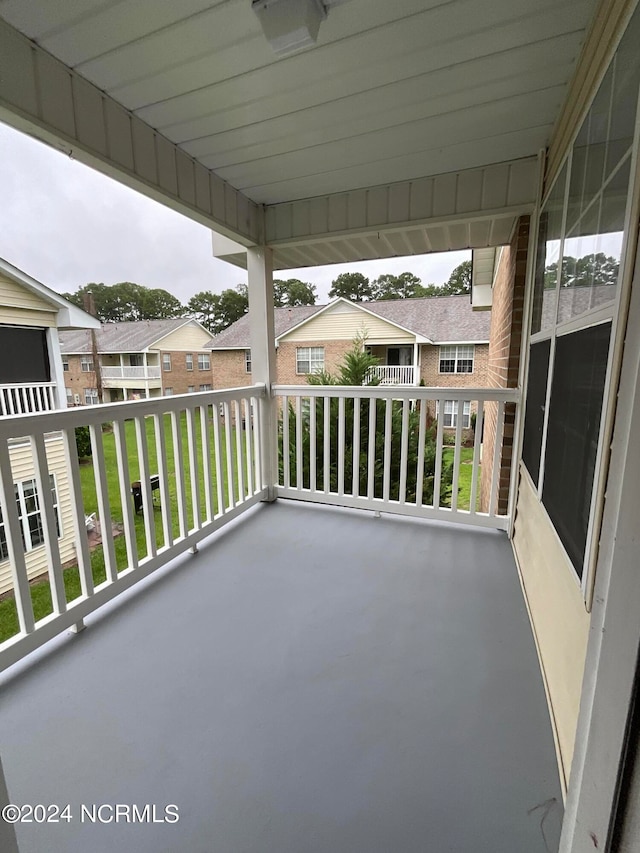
(439, 318)
(121, 337)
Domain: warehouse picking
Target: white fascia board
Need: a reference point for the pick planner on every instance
(457, 343)
(69, 316)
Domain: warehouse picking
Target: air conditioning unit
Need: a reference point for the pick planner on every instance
(76, 399)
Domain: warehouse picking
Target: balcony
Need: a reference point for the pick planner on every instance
(312, 678)
(394, 374)
(23, 399)
(114, 376)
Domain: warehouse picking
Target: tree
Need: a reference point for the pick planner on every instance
(127, 301)
(459, 280)
(403, 286)
(351, 285)
(292, 292)
(355, 369)
(203, 307)
(233, 303)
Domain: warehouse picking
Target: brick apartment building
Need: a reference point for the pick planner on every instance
(125, 361)
(436, 341)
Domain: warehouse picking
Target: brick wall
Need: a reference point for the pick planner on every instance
(430, 364)
(504, 356)
(334, 352)
(229, 369)
(179, 378)
(76, 379)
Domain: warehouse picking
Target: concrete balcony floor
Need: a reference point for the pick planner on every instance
(313, 681)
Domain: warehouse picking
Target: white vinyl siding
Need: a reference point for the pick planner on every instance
(346, 322)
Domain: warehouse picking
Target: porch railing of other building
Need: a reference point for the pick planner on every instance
(199, 453)
(23, 399)
(382, 449)
(390, 374)
(126, 372)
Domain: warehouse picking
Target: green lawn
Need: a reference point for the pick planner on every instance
(40, 592)
(464, 478)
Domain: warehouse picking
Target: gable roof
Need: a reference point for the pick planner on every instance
(134, 336)
(67, 314)
(441, 319)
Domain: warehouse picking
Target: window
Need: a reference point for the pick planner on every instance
(168, 392)
(29, 514)
(86, 363)
(309, 359)
(191, 389)
(204, 361)
(65, 365)
(451, 408)
(457, 359)
(91, 396)
(69, 396)
(189, 360)
(166, 361)
(247, 360)
(206, 388)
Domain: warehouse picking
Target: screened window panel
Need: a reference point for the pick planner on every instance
(548, 257)
(536, 400)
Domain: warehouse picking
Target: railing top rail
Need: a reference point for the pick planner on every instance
(10, 385)
(415, 392)
(12, 426)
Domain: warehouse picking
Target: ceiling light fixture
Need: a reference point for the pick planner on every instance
(290, 25)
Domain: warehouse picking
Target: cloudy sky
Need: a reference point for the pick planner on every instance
(66, 225)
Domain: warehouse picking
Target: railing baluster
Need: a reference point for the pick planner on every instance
(178, 464)
(217, 452)
(286, 473)
(163, 474)
(257, 461)
(229, 454)
(50, 528)
(299, 448)
(205, 437)
(473, 500)
(402, 496)
(495, 471)
(437, 475)
(13, 528)
(3, 400)
(145, 486)
(422, 424)
(102, 495)
(458, 407)
(248, 452)
(194, 477)
(371, 449)
(341, 445)
(355, 478)
(31, 405)
(122, 460)
(386, 479)
(326, 449)
(238, 417)
(313, 403)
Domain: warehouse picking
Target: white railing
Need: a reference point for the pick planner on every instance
(130, 372)
(394, 374)
(378, 449)
(201, 453)
(24, 399)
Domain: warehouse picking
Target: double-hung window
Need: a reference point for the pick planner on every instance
(247, 360)
(189, 360)
(166, 361)
(86, 363)
(91, 396)
(309, 359)
(457, 358)
(451, 410)
(30, 516)
(204, 361)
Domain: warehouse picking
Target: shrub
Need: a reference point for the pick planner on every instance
(83, 441)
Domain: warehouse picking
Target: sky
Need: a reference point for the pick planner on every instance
(66, 225)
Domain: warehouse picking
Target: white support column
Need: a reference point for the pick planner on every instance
(263, 356)
(416, 365)
(55, 365)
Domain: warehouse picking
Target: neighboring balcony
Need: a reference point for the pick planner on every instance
(394, 374)
(25, 399)
(117, 377)
(357, 677)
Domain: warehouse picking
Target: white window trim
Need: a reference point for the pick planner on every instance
(247, 360)
(166, 360)
(466, 413)
(201, 357)
(309, 360)
(93, 399)
(456, 358)
(23, 516)
(86, 364)
(188, 360)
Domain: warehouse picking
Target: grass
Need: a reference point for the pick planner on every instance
(464, 477)
(40, 592)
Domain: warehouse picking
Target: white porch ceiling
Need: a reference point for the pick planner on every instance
(392, 92)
